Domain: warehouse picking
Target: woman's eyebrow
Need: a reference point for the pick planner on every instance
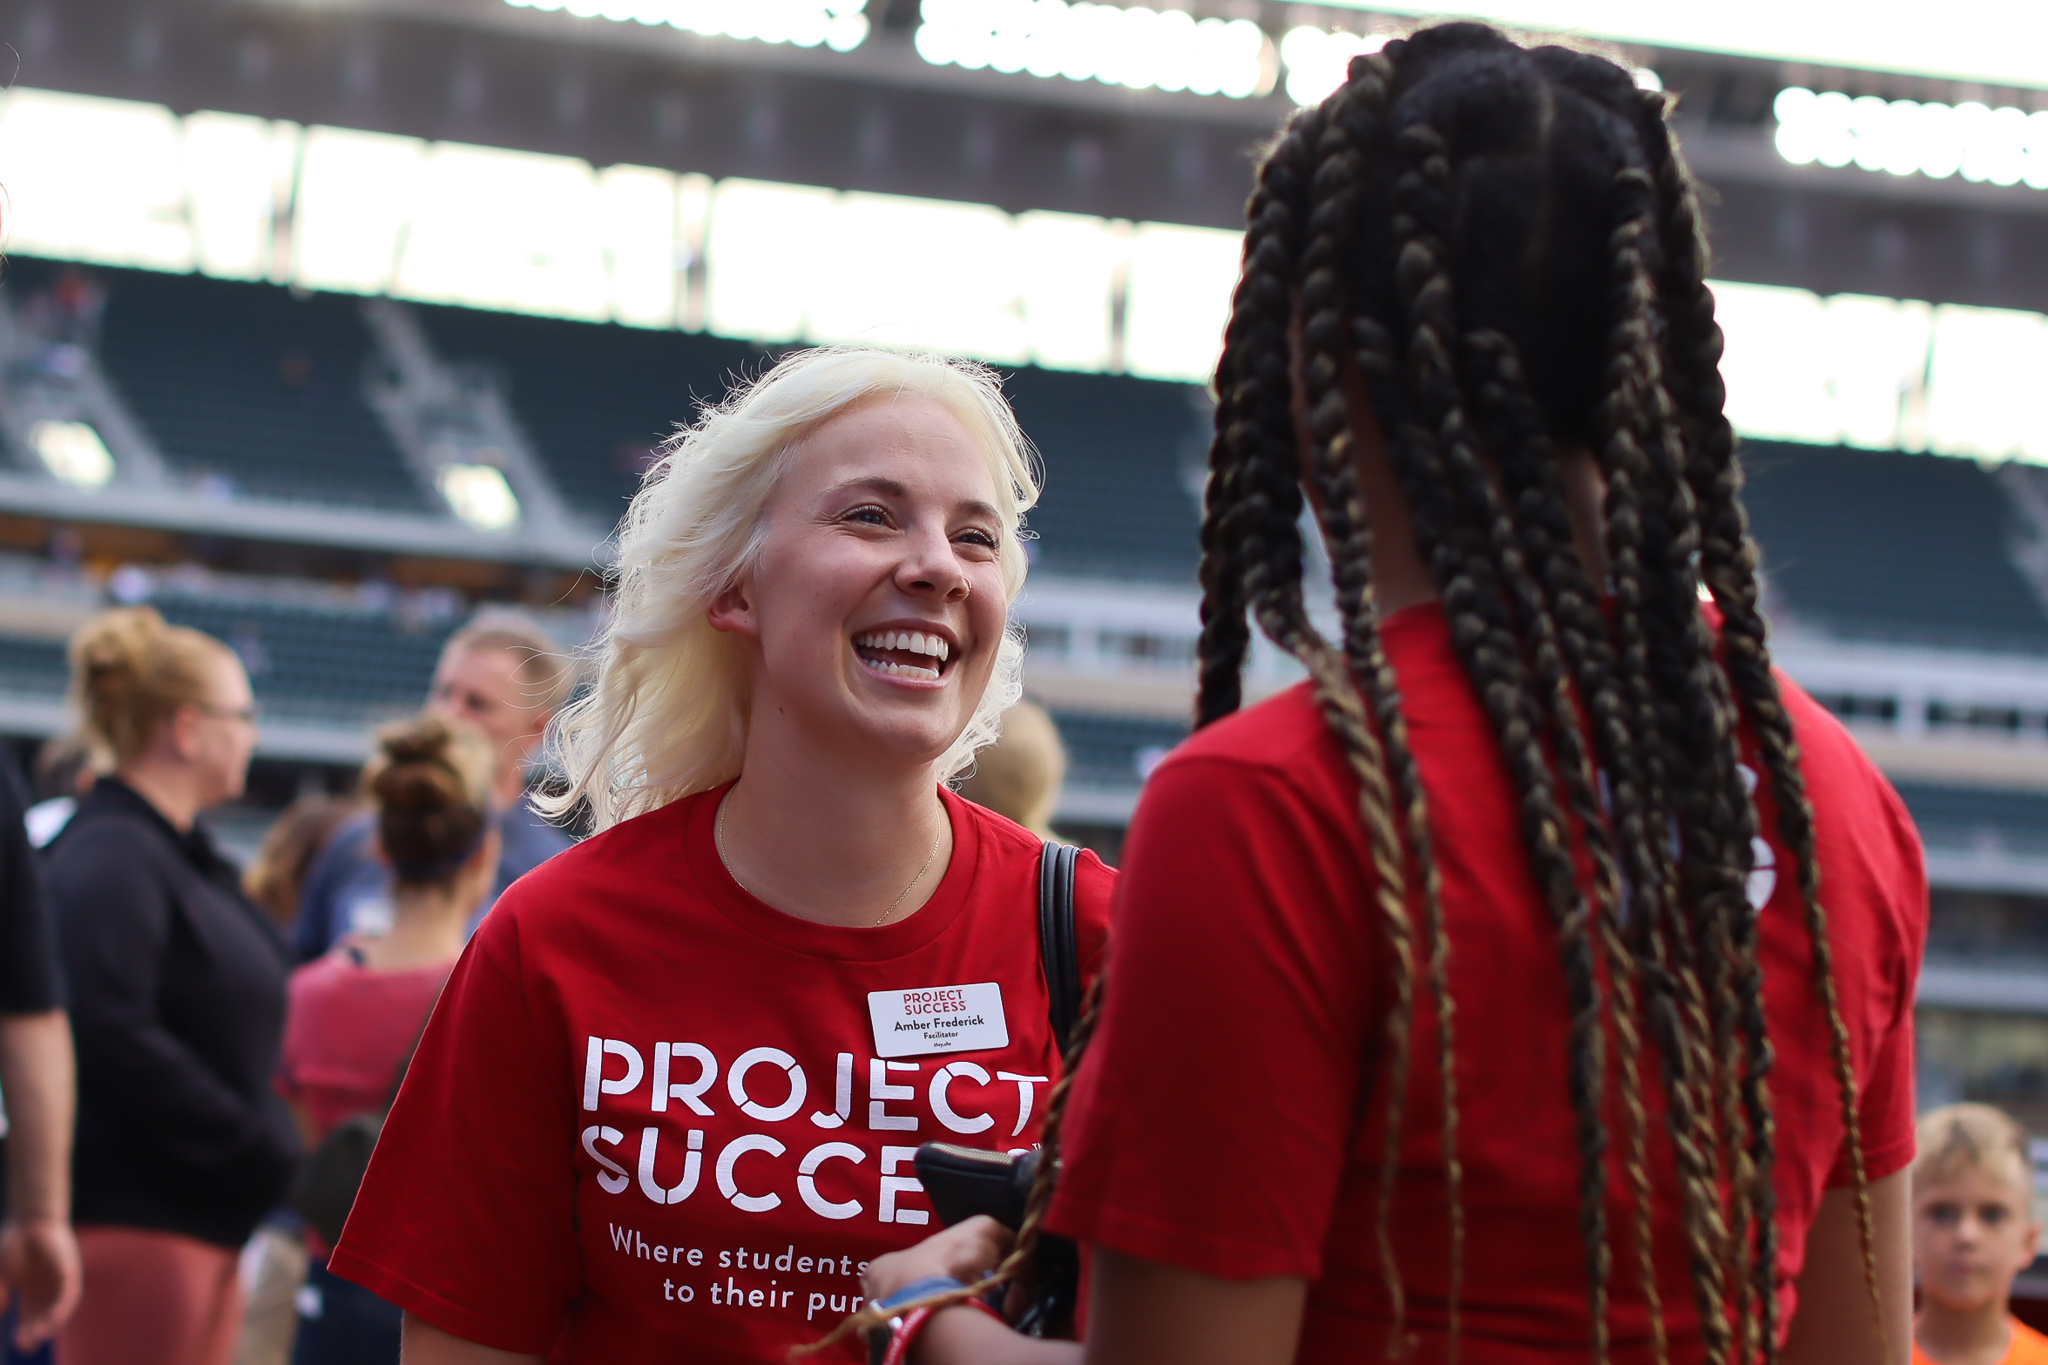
(872, 483)
(975, 507)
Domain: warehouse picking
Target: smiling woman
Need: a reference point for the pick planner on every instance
(633, 1126)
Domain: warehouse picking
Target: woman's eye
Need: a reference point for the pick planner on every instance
(984, 539)
(868, 516)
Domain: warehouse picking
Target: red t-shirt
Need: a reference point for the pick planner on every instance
(651, 1118)
(347, 1027)
(1243, 1141)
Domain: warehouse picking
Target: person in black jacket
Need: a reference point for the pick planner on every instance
(177, 987)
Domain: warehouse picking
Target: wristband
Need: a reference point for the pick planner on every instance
(904, 1330)
(882, 1336)
(917, 1289)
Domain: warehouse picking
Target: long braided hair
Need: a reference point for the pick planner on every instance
(1505, 246)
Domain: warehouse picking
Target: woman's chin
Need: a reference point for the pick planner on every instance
(908, 741)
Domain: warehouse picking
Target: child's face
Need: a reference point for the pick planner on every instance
(1973, 1231)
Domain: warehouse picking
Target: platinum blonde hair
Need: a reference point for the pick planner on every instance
(667, 715)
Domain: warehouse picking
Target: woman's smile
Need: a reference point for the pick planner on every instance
(916, 652)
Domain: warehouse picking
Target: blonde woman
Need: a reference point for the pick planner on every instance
(177, 1001)
(668, 1103)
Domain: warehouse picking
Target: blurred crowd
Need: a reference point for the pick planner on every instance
(234, 1036)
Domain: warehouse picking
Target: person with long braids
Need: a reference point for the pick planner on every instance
(1535, 982)
(668, 1102)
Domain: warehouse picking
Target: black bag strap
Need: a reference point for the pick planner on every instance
(1058, 951)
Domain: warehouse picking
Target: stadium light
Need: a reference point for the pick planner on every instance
(838, 24)
(1884, 374)
(2002, 146)
(1136, 47)
(371, 213)
(1996, 42)
(1317, 59)
(799, 263)
(73, 453)
(1179, 300)
(93, 180)
(479, 495)
(233, 166)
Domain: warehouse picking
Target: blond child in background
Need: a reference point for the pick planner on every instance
(1974, 1230)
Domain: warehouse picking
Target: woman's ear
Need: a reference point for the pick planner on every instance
(733, 610)
(182, 730)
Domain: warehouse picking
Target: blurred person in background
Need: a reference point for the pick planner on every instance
(1020, 775)
(724, 1018)
(356, 1013)
(1974, 1231)
(64, 773)
(177, 987)
(1569, 951)
(506, 676)
(276, 877)
(39, 1274)
(274, 1266)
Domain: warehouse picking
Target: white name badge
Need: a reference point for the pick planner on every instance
(938, 1019)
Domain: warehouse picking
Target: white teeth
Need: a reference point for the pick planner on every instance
(903, 670)
(913, 642)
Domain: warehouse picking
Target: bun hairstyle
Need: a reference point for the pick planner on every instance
(130, 672)
(430, 783)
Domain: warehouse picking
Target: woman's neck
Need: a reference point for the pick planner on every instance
(1963, 1336)
(427, 926)
(833, 842)
(165, 788)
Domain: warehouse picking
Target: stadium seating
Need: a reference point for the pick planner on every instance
(320, 664)
(593, 399)
(1977, 817)
(32, 667)
(1123, 463)
(1114, 752)
(1904, 548)
(248, 384)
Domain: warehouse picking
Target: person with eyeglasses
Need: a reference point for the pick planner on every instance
(177, 988)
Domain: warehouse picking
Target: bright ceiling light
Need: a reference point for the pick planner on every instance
(1886, 374)
(2001, 146)
(1181, 280)
(1135, 47)
(1318, 61)
(1996, 42)
(479, 495)
(72, 452)
(837, 24)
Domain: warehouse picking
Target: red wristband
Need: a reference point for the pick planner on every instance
(904, 1335)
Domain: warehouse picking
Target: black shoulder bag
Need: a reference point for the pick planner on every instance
(964, 1181)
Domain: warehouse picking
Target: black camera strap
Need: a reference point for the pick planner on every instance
(1058, 952)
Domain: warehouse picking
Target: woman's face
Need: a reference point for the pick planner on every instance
(876, 606)
(220, 734)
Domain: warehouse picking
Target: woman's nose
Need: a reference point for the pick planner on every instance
(929, 566)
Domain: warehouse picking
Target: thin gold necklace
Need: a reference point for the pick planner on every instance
(718, 841)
